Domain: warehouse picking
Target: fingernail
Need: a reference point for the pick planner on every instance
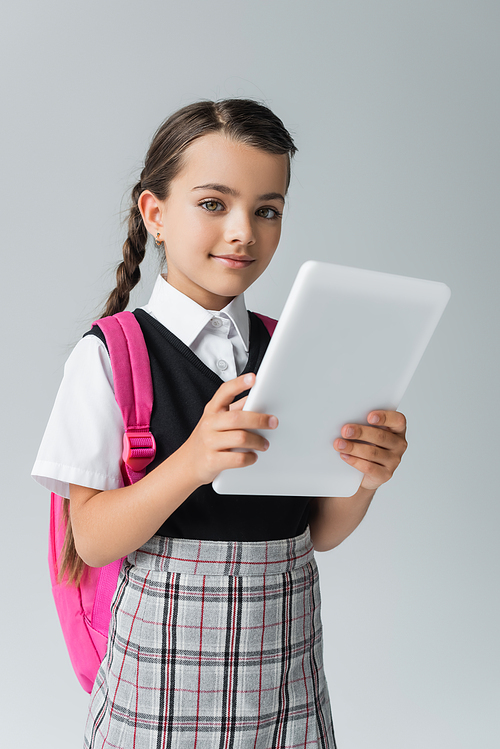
(273, 422)
(345, 457)
(374, 419)
(341, 445)
(248, 379)
(349, 432)
(266, 444)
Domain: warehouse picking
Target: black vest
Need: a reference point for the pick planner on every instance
(182, 386)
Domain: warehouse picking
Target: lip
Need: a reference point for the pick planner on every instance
(234, 261)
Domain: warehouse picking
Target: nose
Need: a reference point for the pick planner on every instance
(239, 228)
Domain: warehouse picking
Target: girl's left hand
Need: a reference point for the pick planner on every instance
(375, 450)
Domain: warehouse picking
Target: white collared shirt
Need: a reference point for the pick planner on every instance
(219, 339)
(82, 443)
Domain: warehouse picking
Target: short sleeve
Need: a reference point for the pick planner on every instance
(82, 443)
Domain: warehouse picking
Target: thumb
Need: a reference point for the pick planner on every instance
(238, 405)
(227, 392)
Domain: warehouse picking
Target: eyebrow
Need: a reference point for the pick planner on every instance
(225, 190)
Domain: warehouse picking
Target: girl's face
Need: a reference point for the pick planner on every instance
(221, 221)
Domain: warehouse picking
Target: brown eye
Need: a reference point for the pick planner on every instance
(211, 205)
(268, 213)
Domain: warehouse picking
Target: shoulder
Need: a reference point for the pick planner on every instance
(89, 359)
(96, 332)
(82, 441)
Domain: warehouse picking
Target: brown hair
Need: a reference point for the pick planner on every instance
(242, 120)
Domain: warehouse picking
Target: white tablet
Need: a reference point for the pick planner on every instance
(347, 343)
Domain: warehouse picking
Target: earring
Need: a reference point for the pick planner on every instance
(158, 242)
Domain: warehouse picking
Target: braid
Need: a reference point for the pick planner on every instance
(128, 272)
(72, 567)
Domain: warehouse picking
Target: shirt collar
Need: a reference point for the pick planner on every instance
(186, 319)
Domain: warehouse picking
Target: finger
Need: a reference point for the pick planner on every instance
(227, 392)
(377, 436)
(393, 420)
(238, 405)
(369, 453)
(374, 473)
(239, 439)
(234, 419)
(239, 459)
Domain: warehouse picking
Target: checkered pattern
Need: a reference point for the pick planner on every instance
(214, 645)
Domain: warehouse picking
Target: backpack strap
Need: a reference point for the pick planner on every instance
(134, 394)
(133, 390)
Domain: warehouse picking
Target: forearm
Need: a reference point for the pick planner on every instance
(111, 524)
(334, 518)
(108, 525)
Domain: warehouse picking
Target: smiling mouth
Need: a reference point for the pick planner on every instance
(234, 261)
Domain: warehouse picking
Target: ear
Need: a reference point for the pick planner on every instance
(151, 212)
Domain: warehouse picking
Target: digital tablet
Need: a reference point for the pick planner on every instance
(348, 342)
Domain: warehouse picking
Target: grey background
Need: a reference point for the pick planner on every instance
(394, 107)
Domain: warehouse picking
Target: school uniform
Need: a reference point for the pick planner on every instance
(215, 638)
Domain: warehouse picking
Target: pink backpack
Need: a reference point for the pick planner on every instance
(85, 610)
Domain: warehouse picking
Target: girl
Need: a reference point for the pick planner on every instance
(215, 639)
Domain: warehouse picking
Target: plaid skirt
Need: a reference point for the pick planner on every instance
(214, 645)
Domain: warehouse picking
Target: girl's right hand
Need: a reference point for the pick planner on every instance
(110, 524)
(223, 429)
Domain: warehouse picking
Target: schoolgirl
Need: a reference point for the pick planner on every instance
(215, 638)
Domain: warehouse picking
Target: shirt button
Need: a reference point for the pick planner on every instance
(216, 322)
(222, 364)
